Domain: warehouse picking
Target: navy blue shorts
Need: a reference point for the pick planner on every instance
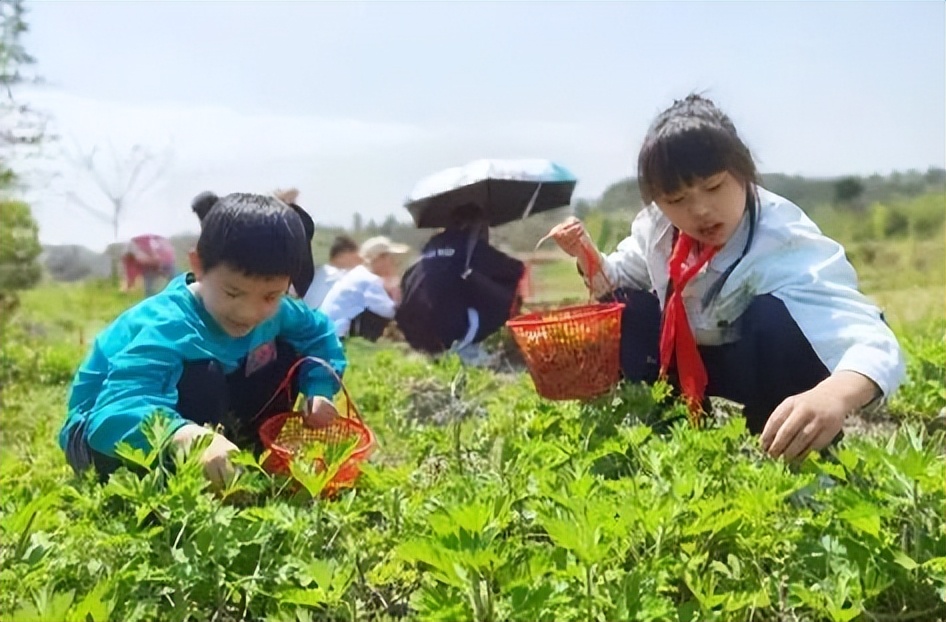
(205, 395)
(772, 359)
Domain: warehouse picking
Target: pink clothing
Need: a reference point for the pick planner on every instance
(148, 256)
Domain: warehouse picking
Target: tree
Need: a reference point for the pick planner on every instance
(19, 252)
(388, 226)
(357, 223)
(19, 126)
(847, 190)
(119, 178)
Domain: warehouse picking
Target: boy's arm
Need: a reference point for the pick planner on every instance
(311, 333)
(141, 379)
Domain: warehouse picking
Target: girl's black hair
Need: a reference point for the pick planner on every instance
(693, 140)
(256, 235)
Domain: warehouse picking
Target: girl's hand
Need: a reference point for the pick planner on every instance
(809, 421)
(571, 236)
(321, 413)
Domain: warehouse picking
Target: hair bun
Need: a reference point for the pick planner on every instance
(202, 204)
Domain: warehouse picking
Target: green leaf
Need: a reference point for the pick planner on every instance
(905, 560)
(442, 561)
(863, 517)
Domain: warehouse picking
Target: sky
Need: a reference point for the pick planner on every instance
(354, 102)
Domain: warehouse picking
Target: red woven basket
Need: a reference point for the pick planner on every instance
(571, 353)
(285, 434)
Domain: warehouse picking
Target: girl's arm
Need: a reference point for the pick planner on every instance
(625, 267)
(848, 333)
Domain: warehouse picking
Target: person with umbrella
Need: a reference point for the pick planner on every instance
(462, 290)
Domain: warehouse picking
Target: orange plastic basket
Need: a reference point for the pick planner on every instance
(285, 434)
(572, 353)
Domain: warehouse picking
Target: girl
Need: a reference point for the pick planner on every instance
(732, 291)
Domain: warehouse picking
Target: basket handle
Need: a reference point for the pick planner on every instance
(595, 267)
(285, 384)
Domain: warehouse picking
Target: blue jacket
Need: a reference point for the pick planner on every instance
(136, 362)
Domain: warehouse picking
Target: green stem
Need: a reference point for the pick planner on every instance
(916, 519)
(457, 447)
(477, 598)
(588, 601)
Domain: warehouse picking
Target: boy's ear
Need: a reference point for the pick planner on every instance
(196, 266)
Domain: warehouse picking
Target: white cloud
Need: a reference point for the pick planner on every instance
(341, 165)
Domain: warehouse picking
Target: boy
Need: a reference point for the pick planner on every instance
(212, 348)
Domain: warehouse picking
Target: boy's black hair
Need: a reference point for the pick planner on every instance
(202, 203)
(342, 244)
(691, 140)
(256, 235)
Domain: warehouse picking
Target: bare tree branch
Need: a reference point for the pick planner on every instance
(124, 178)
(76, 199)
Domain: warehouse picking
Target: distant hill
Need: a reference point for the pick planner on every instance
(621, 200)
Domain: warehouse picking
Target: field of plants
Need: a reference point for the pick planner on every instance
(483, 502)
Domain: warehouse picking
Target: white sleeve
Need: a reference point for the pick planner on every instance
(845, 329)
(378, 301)
(627, 266)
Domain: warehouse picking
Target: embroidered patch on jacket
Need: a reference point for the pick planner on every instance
(260, 357)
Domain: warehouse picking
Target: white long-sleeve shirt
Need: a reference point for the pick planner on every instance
(357, 290)
(790, 259)
(325, 277)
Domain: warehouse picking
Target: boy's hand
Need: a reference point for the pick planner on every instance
(215, 459)
(321, 413)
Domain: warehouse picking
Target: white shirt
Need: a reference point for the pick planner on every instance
(357, 290)
(790, 259)
(322, 282)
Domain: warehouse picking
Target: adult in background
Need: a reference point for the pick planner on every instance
(151, 257)
(460, 291)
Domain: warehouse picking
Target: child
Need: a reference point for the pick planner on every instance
(361, 303)
(212, 348)
(757, 305)
(342, 257)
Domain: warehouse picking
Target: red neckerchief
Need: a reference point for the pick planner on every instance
(677, 344)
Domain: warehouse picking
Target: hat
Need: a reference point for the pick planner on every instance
(373, 248)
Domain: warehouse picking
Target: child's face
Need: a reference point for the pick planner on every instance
(708, 211)
(236, 301)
